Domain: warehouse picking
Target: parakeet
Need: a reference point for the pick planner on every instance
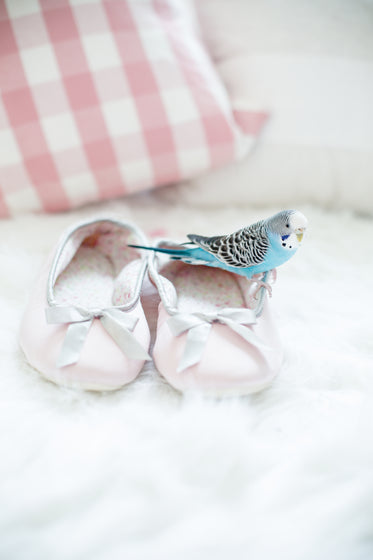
(255, 249)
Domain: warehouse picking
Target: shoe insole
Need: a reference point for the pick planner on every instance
(203, 288)
(87, 281)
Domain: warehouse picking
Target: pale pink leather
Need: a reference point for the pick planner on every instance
(229, 365)
(102, 365)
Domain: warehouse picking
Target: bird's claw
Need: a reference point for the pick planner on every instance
(261, 284)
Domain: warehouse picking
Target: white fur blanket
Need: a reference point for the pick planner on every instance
(147, 474)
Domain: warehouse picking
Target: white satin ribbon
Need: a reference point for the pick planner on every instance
(198, 325)
(118, 324)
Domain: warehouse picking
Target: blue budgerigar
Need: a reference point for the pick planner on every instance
(258, 248)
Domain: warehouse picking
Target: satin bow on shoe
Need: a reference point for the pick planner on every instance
(118, 324)
(198, 325)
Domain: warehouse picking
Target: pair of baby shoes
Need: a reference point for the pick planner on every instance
(85, 324)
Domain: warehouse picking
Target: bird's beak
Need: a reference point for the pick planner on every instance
(299, 234)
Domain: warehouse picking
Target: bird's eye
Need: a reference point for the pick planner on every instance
(287, 225)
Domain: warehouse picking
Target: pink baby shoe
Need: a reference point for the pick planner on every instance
(76, 331)
(215, 331)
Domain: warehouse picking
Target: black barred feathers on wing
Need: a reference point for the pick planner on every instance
(256, 242)
(243, 248)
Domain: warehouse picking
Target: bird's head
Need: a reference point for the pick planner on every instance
(290, 225)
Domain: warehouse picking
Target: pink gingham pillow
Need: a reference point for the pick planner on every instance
(102, 98)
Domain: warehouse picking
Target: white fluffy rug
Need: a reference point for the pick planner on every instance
(147, 474)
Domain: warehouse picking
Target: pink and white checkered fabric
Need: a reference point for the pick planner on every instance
(101, 98)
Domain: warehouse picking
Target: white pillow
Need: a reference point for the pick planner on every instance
(311, 64)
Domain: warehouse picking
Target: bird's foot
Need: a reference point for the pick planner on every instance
(259, 285)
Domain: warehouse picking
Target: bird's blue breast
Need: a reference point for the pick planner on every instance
(277, 254)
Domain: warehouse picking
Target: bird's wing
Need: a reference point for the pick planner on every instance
(243, 248)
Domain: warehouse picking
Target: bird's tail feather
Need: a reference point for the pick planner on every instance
(192, 255)
(171, 252)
